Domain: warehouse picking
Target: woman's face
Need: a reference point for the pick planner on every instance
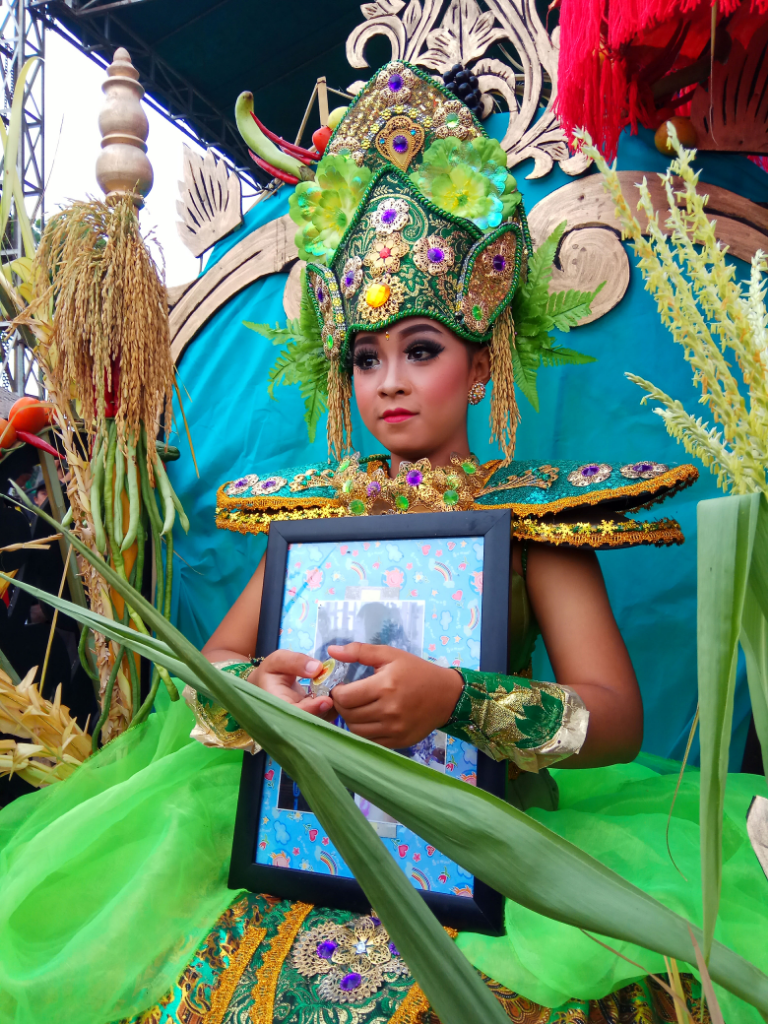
(412, 384)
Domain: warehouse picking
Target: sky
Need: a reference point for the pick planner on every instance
(73, 98)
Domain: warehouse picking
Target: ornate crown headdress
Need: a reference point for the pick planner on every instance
(412, 212)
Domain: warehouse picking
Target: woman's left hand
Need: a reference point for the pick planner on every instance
(402, 702)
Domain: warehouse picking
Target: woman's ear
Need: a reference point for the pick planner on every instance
(481, 364)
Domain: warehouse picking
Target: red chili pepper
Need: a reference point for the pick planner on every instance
(289, 179)
(305, 155)
(37, 442)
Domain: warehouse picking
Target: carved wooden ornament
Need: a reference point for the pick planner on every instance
(210, 205)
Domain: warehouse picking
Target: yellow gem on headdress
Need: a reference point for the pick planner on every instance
(377, 295)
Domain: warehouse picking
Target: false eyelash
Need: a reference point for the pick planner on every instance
(361, 354)
(433, 348)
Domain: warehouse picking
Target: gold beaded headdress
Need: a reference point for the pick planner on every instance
(412, 212)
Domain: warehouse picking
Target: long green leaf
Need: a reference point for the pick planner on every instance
(9, 670)
(754, 630)
(391, 894)
(448, 981)
(726, 530)
(483, 834)
(11, 181)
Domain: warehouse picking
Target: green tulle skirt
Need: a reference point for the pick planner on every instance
(111, 881)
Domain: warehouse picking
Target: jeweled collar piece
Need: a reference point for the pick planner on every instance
(370, 490)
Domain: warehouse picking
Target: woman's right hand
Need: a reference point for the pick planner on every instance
(279, 675)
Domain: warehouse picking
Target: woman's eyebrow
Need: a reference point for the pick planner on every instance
(419, 329)
(368, 338)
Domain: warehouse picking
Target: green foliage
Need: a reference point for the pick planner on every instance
(537, 312)
(300, 362)
(721, 324)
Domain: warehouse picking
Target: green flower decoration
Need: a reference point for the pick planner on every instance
(464, 193)
(486, 158)
(323, 208)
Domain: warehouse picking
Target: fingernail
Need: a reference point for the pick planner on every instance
(313, 666)
(325, 704)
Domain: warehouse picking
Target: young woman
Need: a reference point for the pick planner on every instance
(114, 900)
(411, 387)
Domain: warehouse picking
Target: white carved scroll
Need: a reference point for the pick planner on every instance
(464, 35)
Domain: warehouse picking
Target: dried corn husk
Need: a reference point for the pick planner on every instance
(52, 743)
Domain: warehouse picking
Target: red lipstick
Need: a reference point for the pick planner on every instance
(397, 415)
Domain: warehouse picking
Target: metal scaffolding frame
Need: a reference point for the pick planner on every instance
(94, 28)
(23, 36)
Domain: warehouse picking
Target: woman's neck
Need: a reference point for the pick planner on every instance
(440, 456)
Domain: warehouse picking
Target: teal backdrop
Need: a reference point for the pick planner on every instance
(589, 413)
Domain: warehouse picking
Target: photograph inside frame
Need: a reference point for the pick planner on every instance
(423, 596)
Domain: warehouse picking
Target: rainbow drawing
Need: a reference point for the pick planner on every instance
(303, 612)
(421, 880)
(358, 569)
(473, 618)
(444, 571)
(330, 863)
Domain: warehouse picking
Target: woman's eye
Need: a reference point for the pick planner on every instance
(422, 351)
(365, 359)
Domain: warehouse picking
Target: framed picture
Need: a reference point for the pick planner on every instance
(434, 584)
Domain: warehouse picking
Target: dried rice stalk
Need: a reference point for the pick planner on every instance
(55, 744)
(110, 331)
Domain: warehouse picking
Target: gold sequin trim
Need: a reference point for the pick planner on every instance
(258, 522)
(608, 533)
(412, 1008)
(263, 993)
(222, 994)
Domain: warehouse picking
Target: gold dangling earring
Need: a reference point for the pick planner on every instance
(476, 392)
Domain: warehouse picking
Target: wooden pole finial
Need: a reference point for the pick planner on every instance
(123, 166)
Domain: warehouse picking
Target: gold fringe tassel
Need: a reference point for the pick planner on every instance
(339, 411)
(504, 412)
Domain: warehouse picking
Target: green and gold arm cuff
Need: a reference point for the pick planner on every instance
(214, 726)
(514, 719)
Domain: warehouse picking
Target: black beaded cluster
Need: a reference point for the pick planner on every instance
(463, 83)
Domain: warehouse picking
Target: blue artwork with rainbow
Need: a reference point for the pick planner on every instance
(419, 595)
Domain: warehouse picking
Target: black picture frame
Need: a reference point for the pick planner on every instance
(484, 912)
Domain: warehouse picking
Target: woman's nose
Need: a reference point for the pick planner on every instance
(394, 382)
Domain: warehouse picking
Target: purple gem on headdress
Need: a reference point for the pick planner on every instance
(241, 483)
(349, 280)
(376, 920)
(435, 254)
(499, 263)
(393, 949)
(388, 216)
(374, 487)
(326, 949)
(413, 478)
(268, 483)
(643, 467)
(400, 143)
(589, 471)
(350, 981)
(320, 295)
(395, 82)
